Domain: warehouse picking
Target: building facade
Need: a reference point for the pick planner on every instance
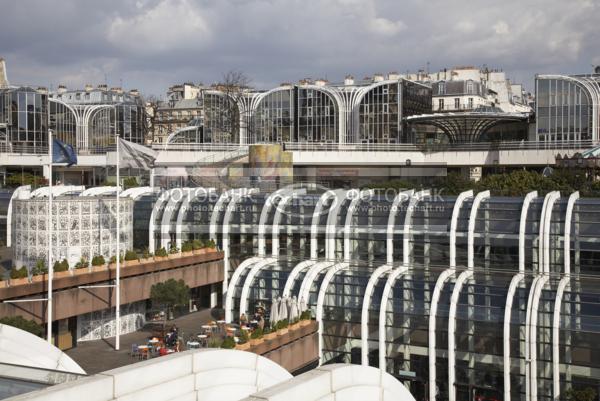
(184, 103)
(461, 296)
(567, 107)
(369, 112)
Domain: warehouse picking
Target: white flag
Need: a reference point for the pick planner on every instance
(133, 155)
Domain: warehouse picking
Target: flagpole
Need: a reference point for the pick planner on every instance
(49, 230)
(118, 283)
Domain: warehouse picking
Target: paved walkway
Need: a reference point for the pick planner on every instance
(100, 355)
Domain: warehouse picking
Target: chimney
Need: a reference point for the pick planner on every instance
(321, 82)
(103, 87)
(377, 77)
(117, 89)
(3, 77)
(134, 92)
(61, 89)
(42, 89)
(393, 76)
(88, 87)
(349, 80)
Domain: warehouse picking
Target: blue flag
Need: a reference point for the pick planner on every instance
(63, 153)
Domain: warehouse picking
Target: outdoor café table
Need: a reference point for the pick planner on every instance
(193, 344)
(230, 331)
(202, 338)
(207, 327)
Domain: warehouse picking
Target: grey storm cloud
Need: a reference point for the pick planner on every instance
(151, 44)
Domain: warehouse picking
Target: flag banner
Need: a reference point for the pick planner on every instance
(133, 155)
(63, 153)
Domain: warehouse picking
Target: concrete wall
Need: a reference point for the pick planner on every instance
(136, 281)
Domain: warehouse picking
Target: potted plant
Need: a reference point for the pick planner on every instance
(98, 262)
(39, 271)
(197, 246)
(131, 258)
(147, 255)
(305, 318)
(228, 343)
(161, 254)
(187, 248)
(81, 266)
(256, 337)
(19, 276)
(282, 327)
(244, 343)
(295, 324)
(61, 269)
(3, 283)
(269, 334)
(173, 252)
(211, 245)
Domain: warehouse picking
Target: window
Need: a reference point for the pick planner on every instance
(457, 103)
(440, 104)
(309, 111)
(470, 87)
(470, 103)
(441, 88)
(384, 90)
(385, 108)
(78, 96)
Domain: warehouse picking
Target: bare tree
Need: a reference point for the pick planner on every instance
(151, 104)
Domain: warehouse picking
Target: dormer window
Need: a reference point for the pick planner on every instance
(442, 88)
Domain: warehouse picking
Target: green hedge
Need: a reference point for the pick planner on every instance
(61, 266)
(162, 252)
(131, 255)
(23, 324)
(19, 273)
(98, 260)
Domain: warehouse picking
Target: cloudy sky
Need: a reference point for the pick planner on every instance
(151, 44)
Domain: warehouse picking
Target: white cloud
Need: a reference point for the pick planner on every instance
(166, 26)
(501, 28)
(384, 26)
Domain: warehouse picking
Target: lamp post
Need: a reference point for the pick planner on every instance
(49, 231)
(118, 281)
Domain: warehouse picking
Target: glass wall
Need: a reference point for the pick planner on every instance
(27, 130)
(563, 110)
(379, 118)
(273, 119)
(317, 116)
(221, 118)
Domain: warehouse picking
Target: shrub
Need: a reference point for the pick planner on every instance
(173, 250)
(170, 294)
(131, 255)
(306, 315)
(197, 244)
(21, 323)
(228, 343)
(61, 266)
(146, 253)
(82, 264)
(243, 337)
(266, 330)
(98, 260)
(19, 273)
(113, 259)
(161, 252)
(187, 247)
(211, 243)
(282, 324)
(256, 334)
(40, 268)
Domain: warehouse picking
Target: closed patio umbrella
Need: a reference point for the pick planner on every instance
(294, 309)
(283, 309)
(274, 317)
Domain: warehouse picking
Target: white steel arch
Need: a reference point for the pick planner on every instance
(334, 211)
(414, 200)
(562, 285)
(163, 197)
(228, 304)
(17, 194)
(321, 300)
(309, 278)
(95, 191)
(314, 227)
(289, 283)
(437, 291)
(276, 220)
(514, 283)
(364, 320)
(248, 281)
(190, 197)
(402, 196)
(362, 195)
(57, 190)
(462, 278)
(235, 198)
(262, 226)
(136, 192)
(176, 197)
(533, 300)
